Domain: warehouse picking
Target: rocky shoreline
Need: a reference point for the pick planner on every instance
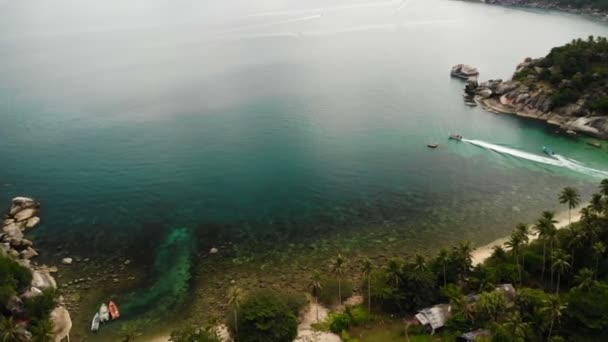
(23, 216)
(549, 5)
(533, 100)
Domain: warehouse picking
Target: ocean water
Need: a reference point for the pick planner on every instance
(273, 118)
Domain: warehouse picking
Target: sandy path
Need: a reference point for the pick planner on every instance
(482, 253)
(307, 319)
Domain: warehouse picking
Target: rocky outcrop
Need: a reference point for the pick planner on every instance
(464, 71)
(23, 215)
(535, 101)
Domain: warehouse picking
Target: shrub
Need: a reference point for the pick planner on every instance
(564, 96)
(359, 315)
(339, 322)
(40, 307)
(191, 334)
(265, 316)
(600, 105)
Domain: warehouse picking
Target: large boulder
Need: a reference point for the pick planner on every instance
(464, 71)
(62, 323)
(20, 203)
(594, 125)
(32, 222)
(42, 279)
(25, 214)
(12, 231)
(485, 93)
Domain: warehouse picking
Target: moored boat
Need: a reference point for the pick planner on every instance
(95, 322)
(457, 137)
(104, 314)
(548, 151)
(432, 145)
(114, 313)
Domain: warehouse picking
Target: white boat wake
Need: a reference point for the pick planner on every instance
(556, 160)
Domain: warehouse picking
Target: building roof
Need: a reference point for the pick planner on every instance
(435, 316)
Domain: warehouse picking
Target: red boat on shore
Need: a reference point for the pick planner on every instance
(113, 308)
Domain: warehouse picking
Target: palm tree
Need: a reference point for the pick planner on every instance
(553, 309)
(9, 330)
(604, 187)
(598, 250)
(570, 196)
(462, 255)
(459, 302)
(516, 327)
(597, 204)
(43, 331)
(585, 279)
(552, 237)
(524, 230)
(560, 265)
(392, 271)
(366, 270)
(420, 263)
(235, 296)
(315, 287)
(515, 242)
(443, 258)
(338, 267)
(543, 227)
(575, 241)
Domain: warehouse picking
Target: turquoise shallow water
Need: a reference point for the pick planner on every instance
(272, 119)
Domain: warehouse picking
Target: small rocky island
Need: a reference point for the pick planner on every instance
(568, 88)
(31, 299)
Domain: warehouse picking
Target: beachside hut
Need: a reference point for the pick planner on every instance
(434, 317)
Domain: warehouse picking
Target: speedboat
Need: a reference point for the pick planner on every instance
(104, 314)
(114, 313)
(548, 151)
(457, 137)
(95, 322)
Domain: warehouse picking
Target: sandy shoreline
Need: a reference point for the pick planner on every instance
(480, 254)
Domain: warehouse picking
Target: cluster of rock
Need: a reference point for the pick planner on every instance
(470, 74)
(516, 97)
(551, 5)
(22, 216)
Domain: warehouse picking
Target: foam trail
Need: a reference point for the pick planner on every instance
(558, 160)
(326, 9)
(574, 165)
(287, 21)
(514, 152)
